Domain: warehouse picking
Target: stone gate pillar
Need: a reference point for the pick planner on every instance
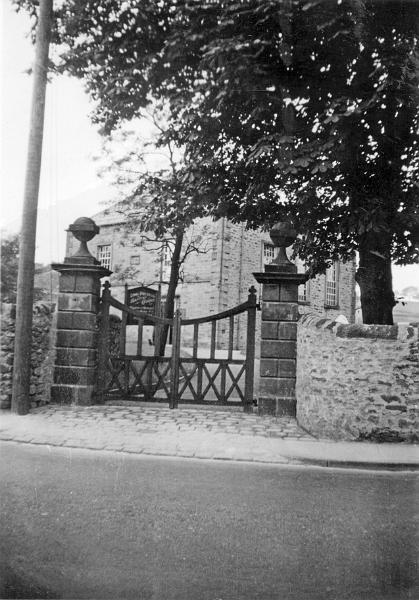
(278, 352)
(75, 371)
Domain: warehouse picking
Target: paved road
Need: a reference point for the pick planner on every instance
(79, 524)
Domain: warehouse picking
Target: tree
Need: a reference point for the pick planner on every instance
(25, 280)
(323, 107)
(301, 108)
(160, 203)
(9, 266)
(166, 201)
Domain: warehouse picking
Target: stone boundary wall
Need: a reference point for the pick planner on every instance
(42, 357)
(358, 382)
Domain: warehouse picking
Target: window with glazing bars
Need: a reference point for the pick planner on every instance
(332, 285)
(303, 292)
(303, 289)
(269, 253)
(104, 255)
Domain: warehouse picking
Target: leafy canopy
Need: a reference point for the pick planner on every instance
(295, 108)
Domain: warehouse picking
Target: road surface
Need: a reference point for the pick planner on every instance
(82, 524)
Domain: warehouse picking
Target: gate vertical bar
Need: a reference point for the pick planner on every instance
(223, 380)
(230, 338)
(174, 369)
(123, 334)
(140, 336)
(123, 342)
(213, 338)
(195, 340)
(103, 343)
(199, 384)
(250, 351)
(149, 389)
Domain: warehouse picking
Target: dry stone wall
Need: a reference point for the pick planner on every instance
(42, 355)
(358, 382)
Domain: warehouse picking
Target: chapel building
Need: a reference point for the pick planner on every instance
(215, 278)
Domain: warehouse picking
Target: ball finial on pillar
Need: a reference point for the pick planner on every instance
(84, 229)
(282, 235)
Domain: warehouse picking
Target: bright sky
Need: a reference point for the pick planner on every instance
(70, 186)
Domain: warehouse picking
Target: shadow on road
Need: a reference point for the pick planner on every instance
(13, 585)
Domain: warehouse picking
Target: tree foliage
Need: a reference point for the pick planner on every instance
(286, 108)
(159, 196)
(160, 203)
(9, 267)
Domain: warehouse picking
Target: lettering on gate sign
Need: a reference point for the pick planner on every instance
(144, 299)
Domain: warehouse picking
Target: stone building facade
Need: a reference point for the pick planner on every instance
(217, 277)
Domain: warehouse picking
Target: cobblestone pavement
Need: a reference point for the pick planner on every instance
(198, 432)
(132, 419)
(195, 433)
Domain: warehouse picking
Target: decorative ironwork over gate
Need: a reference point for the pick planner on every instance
(191, 372)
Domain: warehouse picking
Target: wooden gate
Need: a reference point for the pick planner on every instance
(190, 372)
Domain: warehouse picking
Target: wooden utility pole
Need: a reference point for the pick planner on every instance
(25, 280)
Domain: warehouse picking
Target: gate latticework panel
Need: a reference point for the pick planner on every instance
(190, 374)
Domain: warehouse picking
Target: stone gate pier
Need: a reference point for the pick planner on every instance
(75, 371)
(278, 352)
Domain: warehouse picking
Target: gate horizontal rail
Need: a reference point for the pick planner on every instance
(139, 314)
(217, 316)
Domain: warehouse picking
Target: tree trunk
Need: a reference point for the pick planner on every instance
(169, 305)
(375, 280)
(24, 300)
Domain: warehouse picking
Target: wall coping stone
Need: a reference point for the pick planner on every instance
(360, 330)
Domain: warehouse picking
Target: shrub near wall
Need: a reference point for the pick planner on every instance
(358, 382)
(42, 356)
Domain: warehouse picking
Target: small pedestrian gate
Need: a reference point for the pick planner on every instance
(190, 374)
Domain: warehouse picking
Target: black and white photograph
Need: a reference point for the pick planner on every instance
(209, 326)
